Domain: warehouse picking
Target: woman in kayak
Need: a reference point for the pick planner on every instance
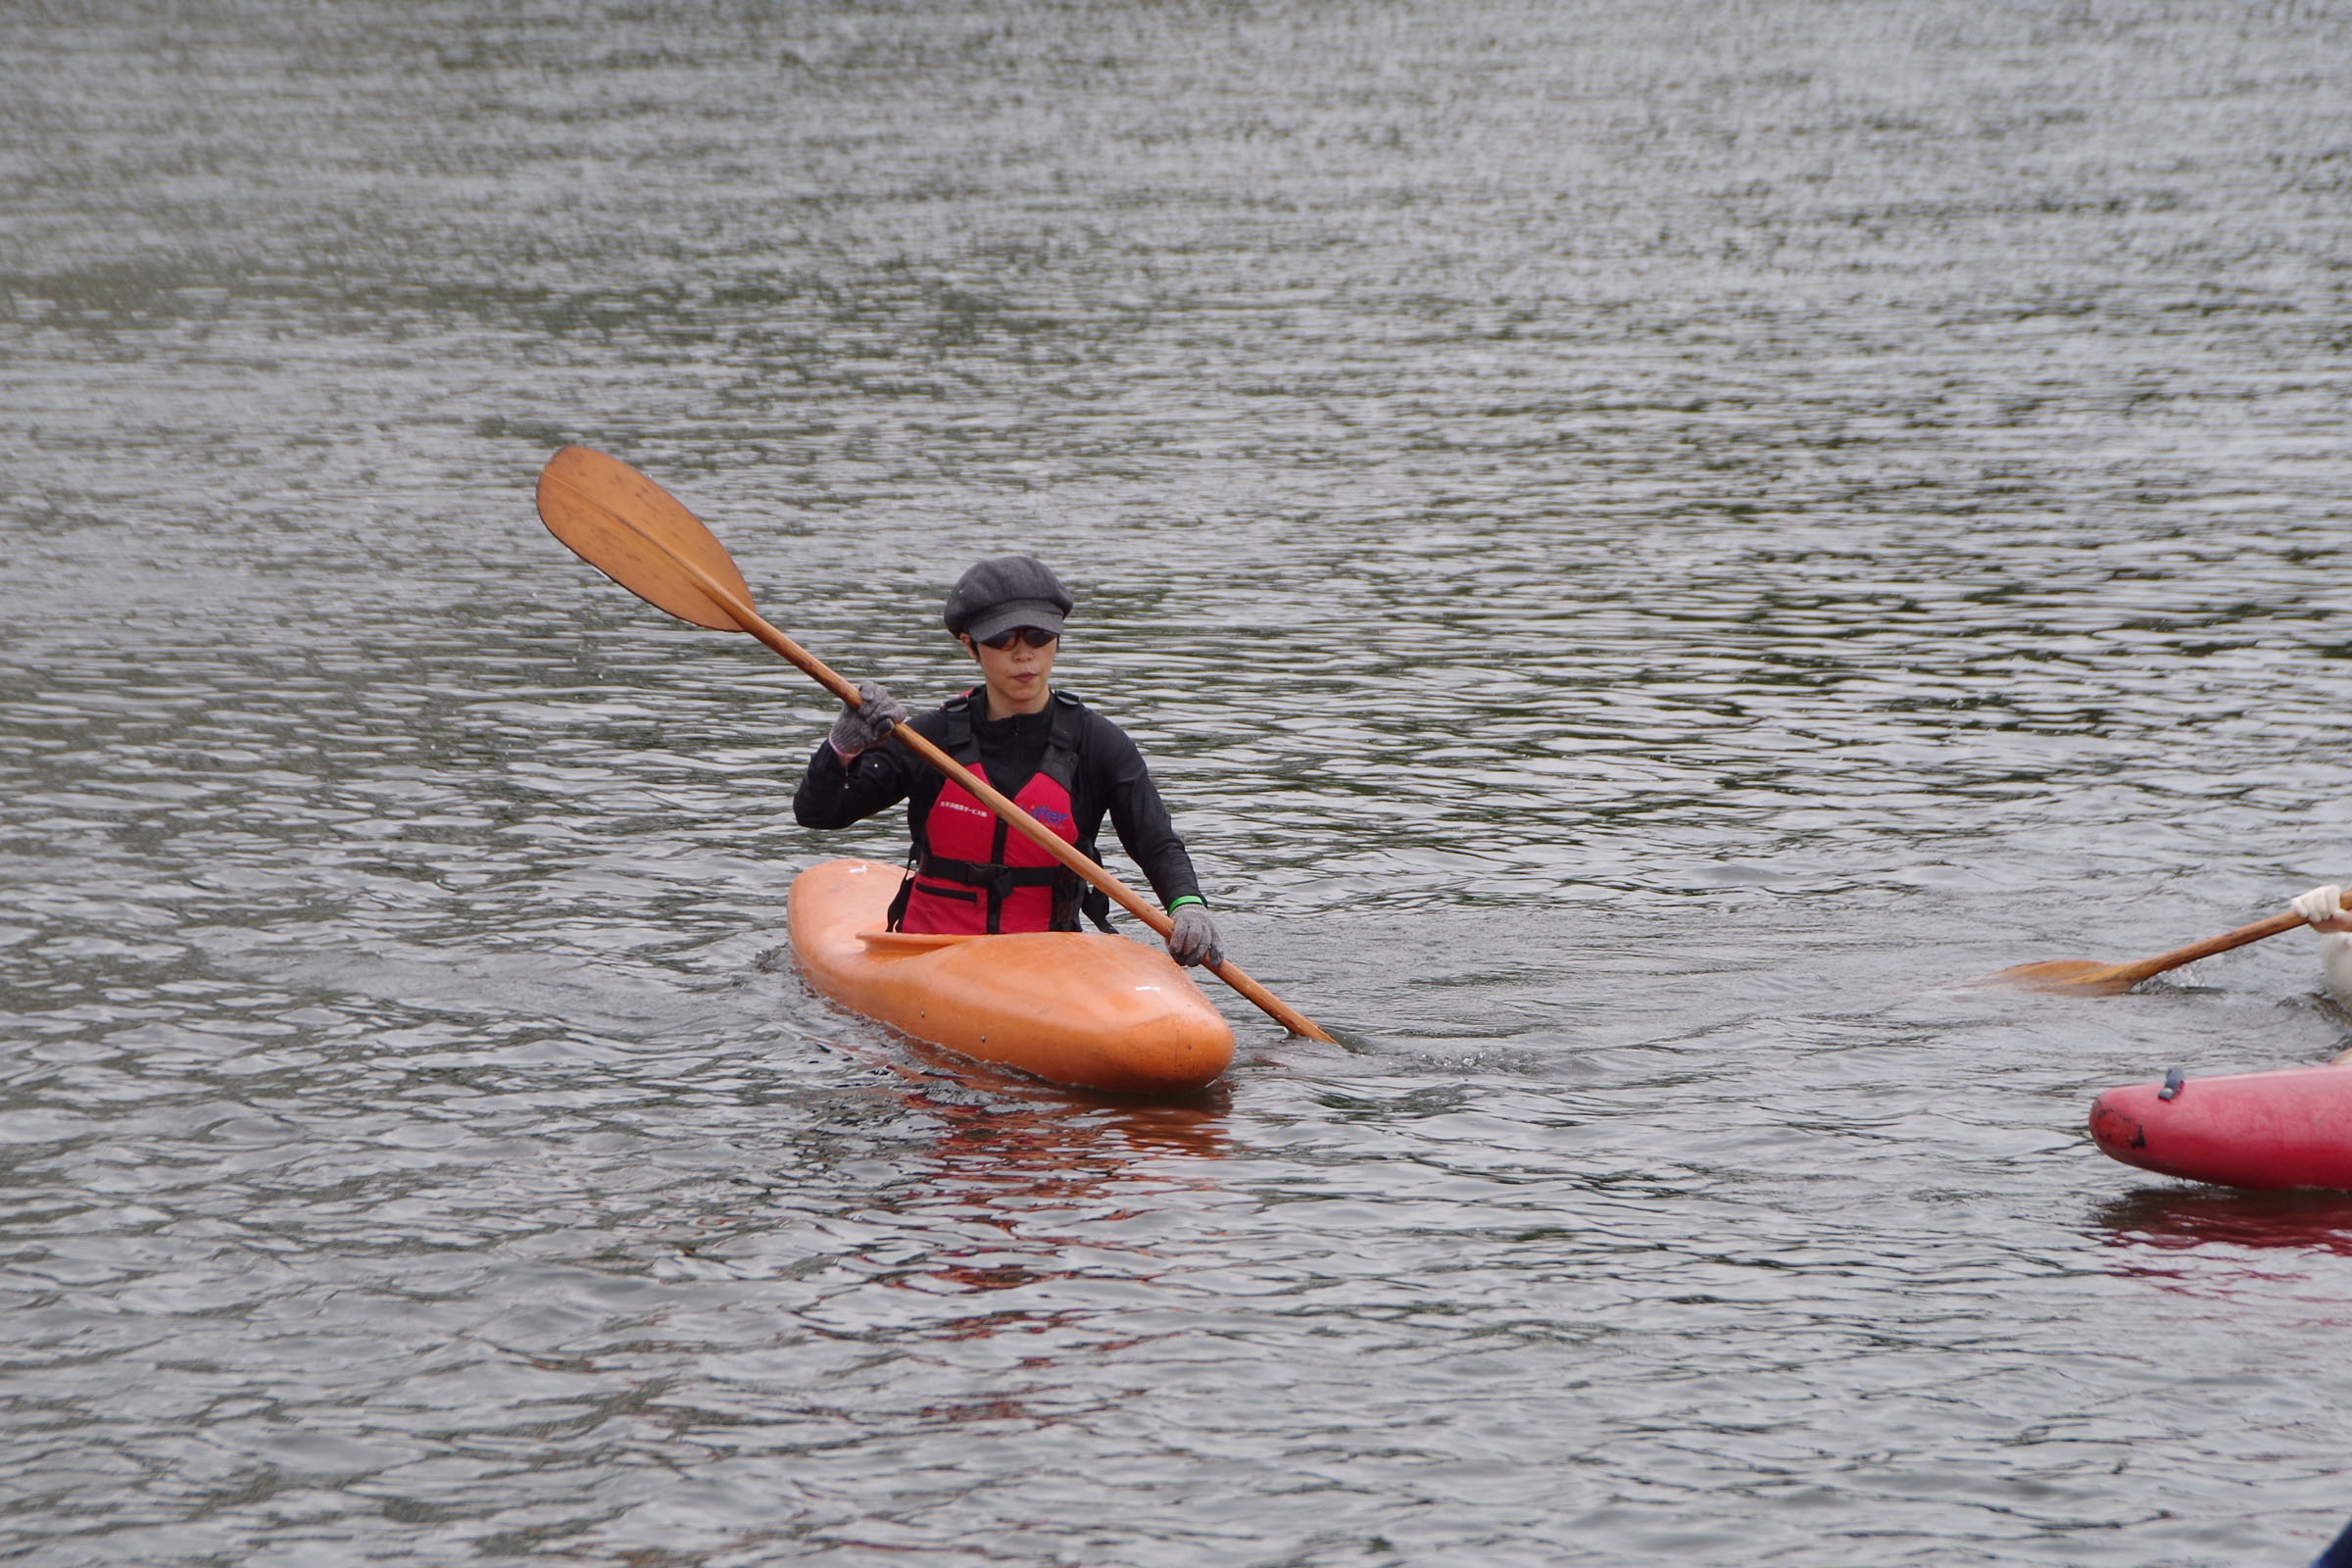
(1063, 762)
(2324, 907)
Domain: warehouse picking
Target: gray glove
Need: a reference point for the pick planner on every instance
(1194, 938)
(864, 727)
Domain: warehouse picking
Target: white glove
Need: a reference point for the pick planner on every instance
(2324, 907)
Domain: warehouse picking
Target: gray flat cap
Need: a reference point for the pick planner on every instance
(1004, 592)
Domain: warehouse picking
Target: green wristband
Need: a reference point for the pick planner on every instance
(1177, 903)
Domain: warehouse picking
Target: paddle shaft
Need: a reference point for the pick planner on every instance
(2285, 921)
(1029, 828)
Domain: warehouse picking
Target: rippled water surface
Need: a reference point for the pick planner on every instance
(1639, 539)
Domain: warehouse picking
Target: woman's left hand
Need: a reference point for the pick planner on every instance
(1192, 939)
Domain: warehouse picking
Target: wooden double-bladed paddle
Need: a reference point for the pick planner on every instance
(639, 535)
(2091, 978)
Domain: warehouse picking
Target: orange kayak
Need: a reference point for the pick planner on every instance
(1076, 1008)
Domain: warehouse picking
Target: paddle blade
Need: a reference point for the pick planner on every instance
(2083, 977)
(639, 535)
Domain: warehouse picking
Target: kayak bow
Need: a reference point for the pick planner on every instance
(1082, 1008)
(2261, 1130)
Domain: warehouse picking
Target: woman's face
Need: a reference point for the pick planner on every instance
(1016, 674)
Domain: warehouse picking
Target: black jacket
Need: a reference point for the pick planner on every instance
(1110, 778)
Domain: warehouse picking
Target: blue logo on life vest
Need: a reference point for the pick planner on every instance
(1048, 816)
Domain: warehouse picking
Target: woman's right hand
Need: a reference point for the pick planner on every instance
(869, 724)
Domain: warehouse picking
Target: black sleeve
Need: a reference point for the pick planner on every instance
(834, 794)
(1137, 813)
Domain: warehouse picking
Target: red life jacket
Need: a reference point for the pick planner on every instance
(972, 872)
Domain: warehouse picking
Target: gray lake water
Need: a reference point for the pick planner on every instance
(1640, 540)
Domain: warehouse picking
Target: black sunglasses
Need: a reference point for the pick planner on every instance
(1034, 636)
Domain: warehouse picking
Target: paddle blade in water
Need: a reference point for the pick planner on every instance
(636, 533)
(2081, 976)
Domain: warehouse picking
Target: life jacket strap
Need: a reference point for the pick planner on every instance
(987, 874)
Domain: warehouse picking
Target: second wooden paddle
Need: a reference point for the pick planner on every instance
(2091, 978)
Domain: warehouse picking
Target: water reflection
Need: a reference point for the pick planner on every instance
(2182, 1218)
(1028, 1162)
(1018, 1129)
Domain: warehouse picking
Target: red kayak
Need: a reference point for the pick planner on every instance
(2261, 1130)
